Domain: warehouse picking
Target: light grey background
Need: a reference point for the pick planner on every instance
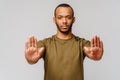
(21, 18)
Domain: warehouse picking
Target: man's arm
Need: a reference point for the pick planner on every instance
(95, 51)
(32, 52)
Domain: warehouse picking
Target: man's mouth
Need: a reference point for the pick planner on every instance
(64, 26)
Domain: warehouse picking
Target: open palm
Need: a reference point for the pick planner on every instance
(95, 51)
(32, 52)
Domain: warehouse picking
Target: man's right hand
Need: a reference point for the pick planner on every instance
(32, 52)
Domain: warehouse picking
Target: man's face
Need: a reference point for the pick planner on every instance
(64, 19)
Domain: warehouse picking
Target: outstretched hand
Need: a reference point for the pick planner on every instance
(32, 52)
(95, 51)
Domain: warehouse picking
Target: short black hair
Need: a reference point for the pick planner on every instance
(63, 5)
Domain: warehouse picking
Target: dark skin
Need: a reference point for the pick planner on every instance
(63, 20)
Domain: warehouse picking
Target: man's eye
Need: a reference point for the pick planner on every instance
(59, 17)
(69, 17)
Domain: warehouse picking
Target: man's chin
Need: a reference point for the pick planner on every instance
(65, 31)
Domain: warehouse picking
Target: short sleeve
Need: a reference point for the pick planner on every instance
(40, 43)
(85, 43)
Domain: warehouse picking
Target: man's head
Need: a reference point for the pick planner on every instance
(63, 5)
(64, 18)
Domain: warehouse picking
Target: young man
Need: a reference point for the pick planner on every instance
(63, 53)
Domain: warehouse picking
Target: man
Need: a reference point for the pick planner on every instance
(63, 53)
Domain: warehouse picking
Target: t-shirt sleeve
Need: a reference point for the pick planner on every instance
(86, 43)
(40, 43)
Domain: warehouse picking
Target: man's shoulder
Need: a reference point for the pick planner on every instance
(81, 39)
(78, 38)
(45, 41)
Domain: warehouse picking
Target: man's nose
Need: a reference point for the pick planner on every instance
(64, 20)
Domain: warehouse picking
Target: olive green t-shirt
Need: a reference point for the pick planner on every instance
(63, 59)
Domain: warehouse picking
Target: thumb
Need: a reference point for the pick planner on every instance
(87, 49)
(41, 50)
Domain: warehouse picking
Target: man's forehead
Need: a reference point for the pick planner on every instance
(63, 8)
(64, 11)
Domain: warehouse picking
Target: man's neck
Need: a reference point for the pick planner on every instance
(64, 36)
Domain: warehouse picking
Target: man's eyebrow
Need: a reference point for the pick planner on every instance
(66, 15)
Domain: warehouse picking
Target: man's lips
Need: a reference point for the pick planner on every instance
(64, 26)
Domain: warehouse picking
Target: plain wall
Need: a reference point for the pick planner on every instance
(21, 18)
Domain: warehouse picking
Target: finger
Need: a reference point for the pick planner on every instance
(41, 51)
(98, 42)
(101, 44)
(92, 42)
(95, 41)
(87, 50)
(28, 43)
(31, 39)
(35, 43)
